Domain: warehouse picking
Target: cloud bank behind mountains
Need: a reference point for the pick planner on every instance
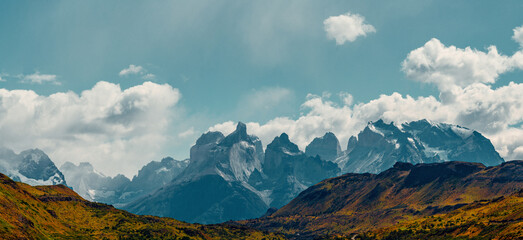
(467, 98)
(116, 130)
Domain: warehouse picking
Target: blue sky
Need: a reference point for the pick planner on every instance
(250, 61)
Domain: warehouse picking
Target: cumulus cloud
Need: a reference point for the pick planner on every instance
(495, 112)
(136, 70)
(39, 78)
(451, 68)
(132, 69)
(346, 27)
(518, 35)
(116, 130)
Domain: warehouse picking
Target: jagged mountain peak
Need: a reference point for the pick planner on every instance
(327, 147)
(209, 137)
(381, 144)
(31, 166)
(35, 155)
(240, 134)
(351, 143)
(282, 143)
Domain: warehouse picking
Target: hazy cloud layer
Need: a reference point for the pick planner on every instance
(38, 78)
(347, 27)
(116, 130)
(466, 98)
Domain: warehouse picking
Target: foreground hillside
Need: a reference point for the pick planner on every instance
(356, 203)
(499, 218)
(56, 212)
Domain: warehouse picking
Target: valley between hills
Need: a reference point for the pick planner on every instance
(417, 180)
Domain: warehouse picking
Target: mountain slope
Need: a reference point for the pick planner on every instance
(231, 178)
(213, 188)
(31, 166)
(327, 147)
(380, 145)
(93, 185)
(56, 212)
(498, 218)
(359, 202)
(286, 171)
(119, 190)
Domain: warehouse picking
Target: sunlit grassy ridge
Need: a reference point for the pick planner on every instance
(57, 212)
(358, 203)
(499, 218)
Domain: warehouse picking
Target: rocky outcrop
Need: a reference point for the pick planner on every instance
(327, 147)
(288, 171)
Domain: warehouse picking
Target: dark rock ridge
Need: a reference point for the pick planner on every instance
(31, 166)
(327, 147)
(231, 178)
(288, 171)
(380, 145)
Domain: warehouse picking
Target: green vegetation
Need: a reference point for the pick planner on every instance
(56, 212)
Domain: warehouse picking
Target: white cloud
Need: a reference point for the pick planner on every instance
(132, 69)
(137, 70)
(346, 27)
(465, 73)
(451, 68)
(116, 130)
(189, 132)
(518, 35)
(39, 78)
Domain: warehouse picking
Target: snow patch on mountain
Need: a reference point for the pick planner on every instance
(31, 166)
(381, 144)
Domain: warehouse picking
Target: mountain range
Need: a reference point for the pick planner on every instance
(451, 200)
(380, 145)
(397, 179)
(232, 177)
(119, 190)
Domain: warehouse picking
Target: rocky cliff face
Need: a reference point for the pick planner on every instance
(327, 147)
(227, 178)
(380, 145)
(30, 166)
(287, 171)
(213, 188)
